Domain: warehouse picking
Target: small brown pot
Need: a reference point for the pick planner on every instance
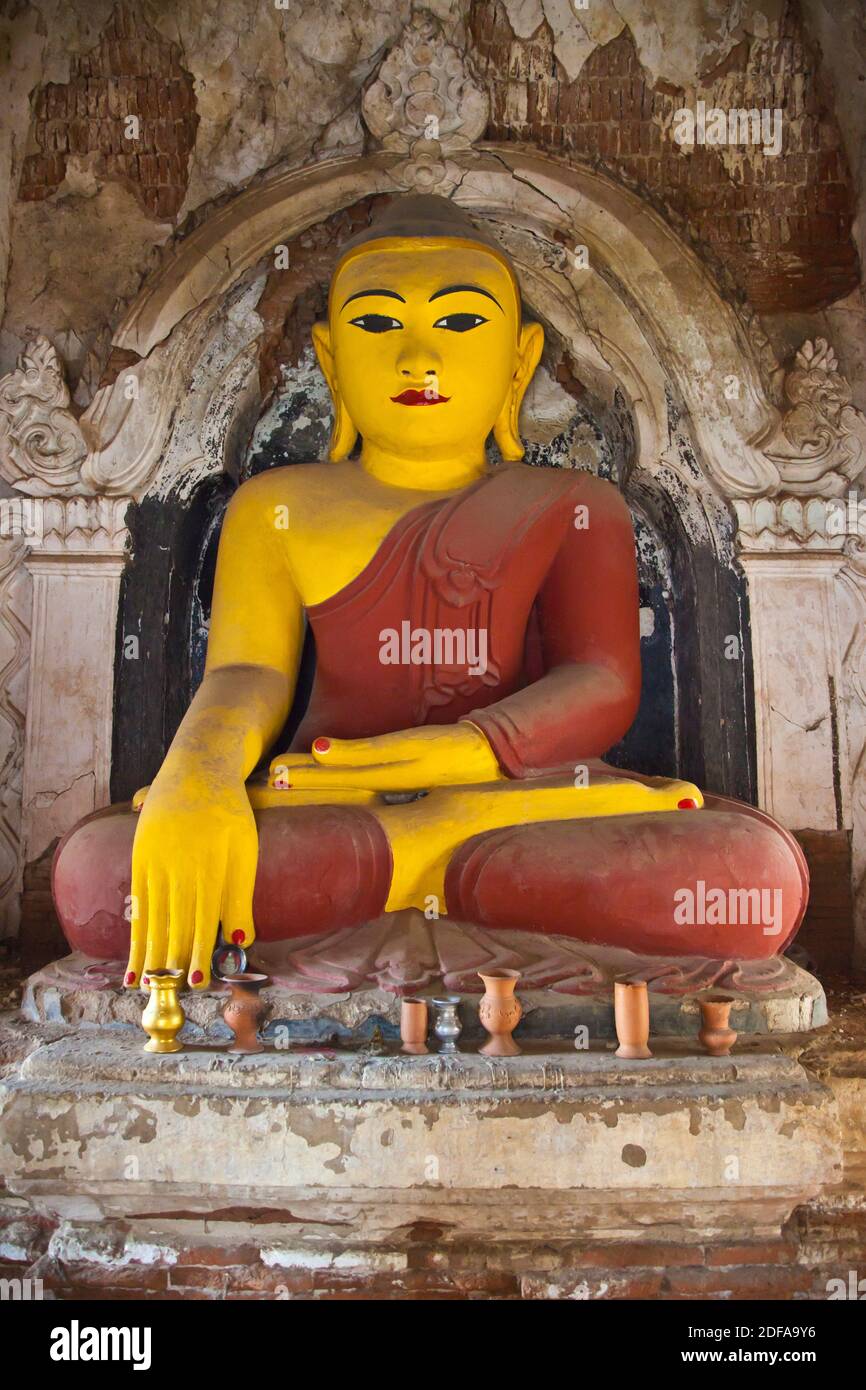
(500, 1012)
(715, 1033)
(245, 1011)
(413, 1025)
(631, 1012)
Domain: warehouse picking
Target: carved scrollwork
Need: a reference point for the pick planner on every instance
(787, 523)
(819, 446)
(41, 444)
(426, 105)
(88, 526)
(855, 554)
(14, 641)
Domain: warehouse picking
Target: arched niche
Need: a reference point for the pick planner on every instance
(642, 322)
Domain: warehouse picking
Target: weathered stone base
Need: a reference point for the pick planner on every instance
(684, 1132)
(556, 1173)
(78, 1214)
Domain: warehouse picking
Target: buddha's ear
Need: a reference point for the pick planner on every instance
(529, 349)
(343, 434)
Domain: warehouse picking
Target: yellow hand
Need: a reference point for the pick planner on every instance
(196, 848)
(193, 865)
(410, 760)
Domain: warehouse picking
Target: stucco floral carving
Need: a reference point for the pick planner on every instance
(86, 526)
(786, 523)
(819, 446)
(426, 105)
(41, 445)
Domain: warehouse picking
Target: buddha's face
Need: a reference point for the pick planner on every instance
(424, 348)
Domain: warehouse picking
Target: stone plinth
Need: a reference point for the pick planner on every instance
(344, 1151)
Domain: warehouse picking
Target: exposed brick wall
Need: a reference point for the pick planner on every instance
(132, 71)
(780, 226)
(827, 933)
(41, 937)
(80, 1262)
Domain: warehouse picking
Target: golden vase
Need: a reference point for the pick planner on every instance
(163, 1016)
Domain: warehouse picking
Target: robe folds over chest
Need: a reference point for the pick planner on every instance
(513, 604)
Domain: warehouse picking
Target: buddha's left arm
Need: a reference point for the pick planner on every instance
(588, 611)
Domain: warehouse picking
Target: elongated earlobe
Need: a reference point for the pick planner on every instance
(505, 431)
(506, 434)
(343, 433)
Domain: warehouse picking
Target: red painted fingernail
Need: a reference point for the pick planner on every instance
(238, 937)
(130, 979)
(322, 745)
(196, 977)
(145, 980)
(688, 803)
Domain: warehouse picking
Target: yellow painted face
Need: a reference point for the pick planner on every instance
(423, 344)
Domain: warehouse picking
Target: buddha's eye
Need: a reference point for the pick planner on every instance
(376, 323)
(459, 323)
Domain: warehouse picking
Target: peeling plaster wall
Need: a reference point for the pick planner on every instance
(775, 225)
(272, 88)
(77, 296)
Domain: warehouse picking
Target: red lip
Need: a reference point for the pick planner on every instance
(427, 397)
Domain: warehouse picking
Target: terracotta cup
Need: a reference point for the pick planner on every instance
(716, 1034)
(413, 1024)
(245, 1011)
(500, 1012)
(631, 1012)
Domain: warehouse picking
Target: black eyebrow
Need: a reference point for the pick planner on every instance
(361, 294)
(459, 289)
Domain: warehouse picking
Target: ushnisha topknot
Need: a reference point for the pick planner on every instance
(421, 215)
(425, 217)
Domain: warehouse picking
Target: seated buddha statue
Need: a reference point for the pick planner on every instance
(477, 651)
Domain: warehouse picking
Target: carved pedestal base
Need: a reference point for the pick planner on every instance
(346, 984)
(335, 1163)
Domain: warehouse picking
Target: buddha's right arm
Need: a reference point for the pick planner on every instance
(196, 848)
(235, 716)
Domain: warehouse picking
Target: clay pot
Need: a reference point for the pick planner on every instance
(631, 1012)
(500, 1012)
(413, 1025)
(715, 1033)
(163, 1016)
(245, 1011)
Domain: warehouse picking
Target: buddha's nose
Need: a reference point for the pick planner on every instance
(418, 362)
